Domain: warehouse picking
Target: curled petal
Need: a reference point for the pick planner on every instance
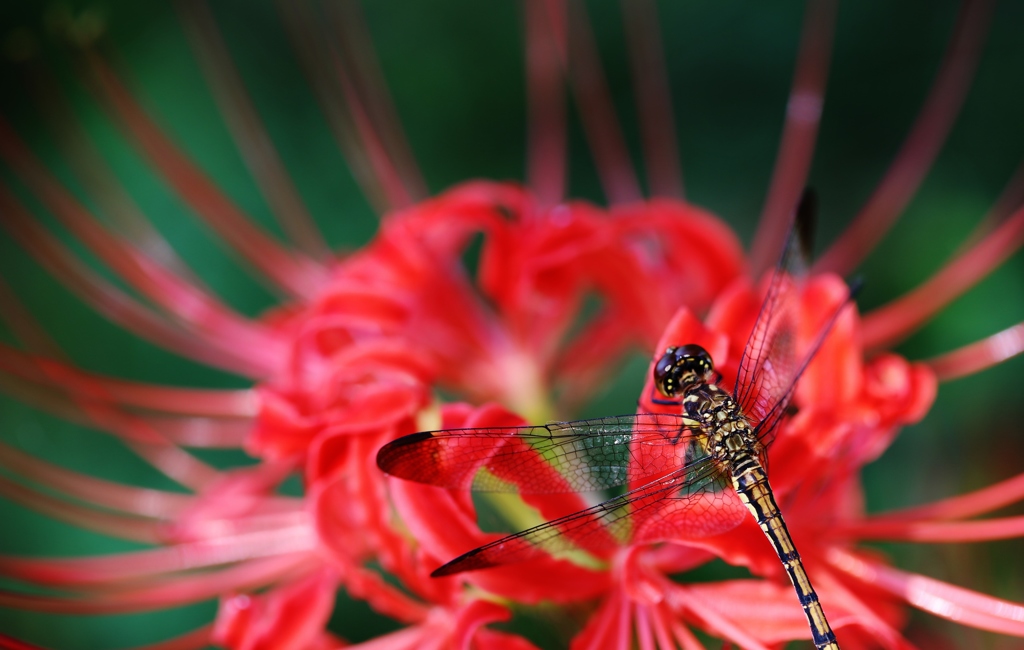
(680, 254)
(292, 617)
(835, 376)
(356, 401)
(348, 498)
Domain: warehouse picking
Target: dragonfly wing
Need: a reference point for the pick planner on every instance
(691, 502)
(561, 457)
(768, 368)
(705, 505)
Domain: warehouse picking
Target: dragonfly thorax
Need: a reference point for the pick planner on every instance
(727, 431)
(681, 369)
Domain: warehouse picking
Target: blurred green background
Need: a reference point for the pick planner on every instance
(455, 71)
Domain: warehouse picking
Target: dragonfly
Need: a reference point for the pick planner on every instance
(696, 470)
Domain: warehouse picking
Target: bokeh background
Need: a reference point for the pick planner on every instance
(455, 71)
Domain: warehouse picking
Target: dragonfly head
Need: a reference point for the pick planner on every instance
(682, 368)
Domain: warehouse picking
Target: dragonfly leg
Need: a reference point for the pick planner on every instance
(663, 401)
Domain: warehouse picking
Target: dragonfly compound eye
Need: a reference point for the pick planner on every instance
(680, 368)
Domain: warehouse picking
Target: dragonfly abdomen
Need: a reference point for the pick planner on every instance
(751, 484)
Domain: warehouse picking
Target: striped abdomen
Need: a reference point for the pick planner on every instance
(751, 484)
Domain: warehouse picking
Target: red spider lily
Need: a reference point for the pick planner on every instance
(365, 344)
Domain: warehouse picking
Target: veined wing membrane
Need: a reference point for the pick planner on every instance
(689, 503)
(769, 368)
(561, 457)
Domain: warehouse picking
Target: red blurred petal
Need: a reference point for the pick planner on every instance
(921, 145)
(10, 643)
(803, 115)
(965, 505)
(939, 598)
(288, 618)
(597, 111)
(653, 99)
(608, 627)
(979, 356)
(298, 275)
(891, 323)
(946, 531)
